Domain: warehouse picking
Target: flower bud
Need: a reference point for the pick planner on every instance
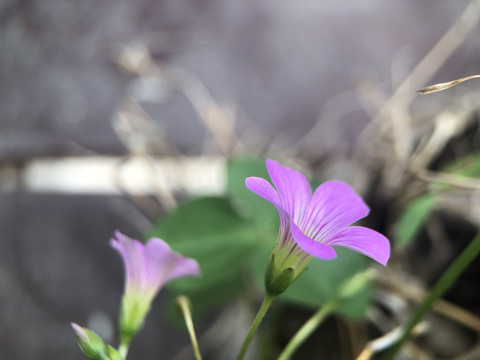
(91, 344)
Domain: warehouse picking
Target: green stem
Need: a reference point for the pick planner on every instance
(187, 314)
(446, 280)
(308, 328)
(123, 350)
(267, 301)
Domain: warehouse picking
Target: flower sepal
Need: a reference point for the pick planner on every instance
(113, 353)
(277, 280)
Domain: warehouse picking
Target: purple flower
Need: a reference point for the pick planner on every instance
(147, 268)
(312, 224)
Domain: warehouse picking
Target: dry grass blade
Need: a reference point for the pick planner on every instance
(386, 341)
(220, 122)
(443, 86)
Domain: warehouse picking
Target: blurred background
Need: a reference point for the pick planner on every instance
(114, 113)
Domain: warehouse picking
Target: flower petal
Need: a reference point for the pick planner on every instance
(365, 241)
(162, 261)
(293, 188)
(311, 246)
(148, 267)
(334, 205)
(264, 189)
(185, 267)
(131, 251)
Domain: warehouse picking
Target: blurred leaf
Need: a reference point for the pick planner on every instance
(210, 231)
(251, 205)
(260, 257)
(416, 212)
(209, 297)
(412, 219)
(324, 279)
(199, 217)
(261, 213)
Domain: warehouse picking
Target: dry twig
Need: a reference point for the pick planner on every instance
(442, 86)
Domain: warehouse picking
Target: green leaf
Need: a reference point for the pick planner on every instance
(252, 206)
(199, 217)
(211, 231)
(412, 218)
(416, 212)
(261, 214)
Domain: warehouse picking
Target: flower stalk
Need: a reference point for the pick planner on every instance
(123, 350)
(348, 288)
(308, 328)
(267, 301)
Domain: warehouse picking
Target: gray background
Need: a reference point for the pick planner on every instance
(278, 62)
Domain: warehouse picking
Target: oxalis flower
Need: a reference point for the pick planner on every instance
(147, 268)
(311, 225)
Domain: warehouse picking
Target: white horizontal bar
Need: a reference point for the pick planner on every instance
(135, 175)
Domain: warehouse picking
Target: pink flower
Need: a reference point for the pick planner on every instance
(313, 224)
(147, 268)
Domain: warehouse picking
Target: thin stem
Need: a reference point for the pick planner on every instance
(308, 328)
(123, 350)
(445, 281)
(187, 314)
(267, 301)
